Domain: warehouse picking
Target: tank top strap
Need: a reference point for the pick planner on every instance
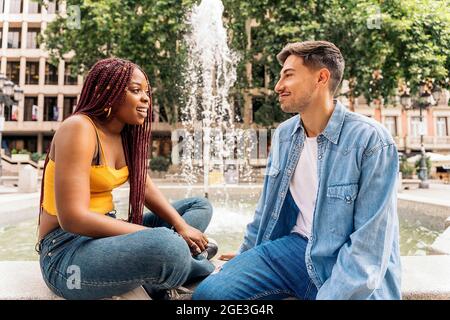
(99, 143)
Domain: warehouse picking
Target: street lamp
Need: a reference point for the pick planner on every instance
(425, 100)
(18, 93)
(10, 95)
(436, 93)
(405, 100)
(2, 80)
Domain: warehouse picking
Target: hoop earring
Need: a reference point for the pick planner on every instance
(107, 110)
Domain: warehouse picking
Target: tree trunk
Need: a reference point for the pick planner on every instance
(351, 102)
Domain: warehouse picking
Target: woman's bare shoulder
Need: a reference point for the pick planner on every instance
(77, 122)
(77, 132)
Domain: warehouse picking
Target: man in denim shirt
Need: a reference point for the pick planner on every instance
(326, 225)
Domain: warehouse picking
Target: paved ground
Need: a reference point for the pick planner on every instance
(436, 194)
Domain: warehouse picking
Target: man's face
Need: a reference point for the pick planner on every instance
(296, 86)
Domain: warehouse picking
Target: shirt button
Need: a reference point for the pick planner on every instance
(348, 198)
(289, 171)
(53, 241)
(310, 267)
(320, 157)
(281, 194)
(49, 254)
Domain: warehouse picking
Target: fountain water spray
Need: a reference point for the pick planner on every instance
(210, 73)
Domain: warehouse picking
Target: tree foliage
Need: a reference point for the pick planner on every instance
(382, 42)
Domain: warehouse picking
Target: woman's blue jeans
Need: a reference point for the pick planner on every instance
(273, 270)
(79, 267)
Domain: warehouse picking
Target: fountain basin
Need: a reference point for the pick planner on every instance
(421, 280)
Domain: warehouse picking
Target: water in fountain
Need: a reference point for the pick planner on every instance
(210, 137)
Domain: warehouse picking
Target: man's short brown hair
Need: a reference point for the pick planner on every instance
(317, 54)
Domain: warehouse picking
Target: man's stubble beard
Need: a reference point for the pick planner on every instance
(297, 106)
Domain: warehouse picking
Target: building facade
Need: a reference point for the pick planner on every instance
(51, 92)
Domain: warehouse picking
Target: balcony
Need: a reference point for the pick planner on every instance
(399, 142)
(430, 143)
(31, 126)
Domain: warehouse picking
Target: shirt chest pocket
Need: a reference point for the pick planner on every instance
(340, 208)
(347, 193)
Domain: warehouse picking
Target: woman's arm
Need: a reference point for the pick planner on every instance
(74, 149)
(158, 204)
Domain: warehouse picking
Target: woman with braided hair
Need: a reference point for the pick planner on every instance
(85, 252)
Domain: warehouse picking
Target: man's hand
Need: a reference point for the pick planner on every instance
(227, 256)
(195, 239)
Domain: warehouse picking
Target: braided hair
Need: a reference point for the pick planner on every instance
(104, 88)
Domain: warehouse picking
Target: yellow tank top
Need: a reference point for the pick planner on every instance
(103, 179)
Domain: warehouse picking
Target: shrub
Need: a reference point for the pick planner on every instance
(35, 156)
(406, 169)
(159, 163)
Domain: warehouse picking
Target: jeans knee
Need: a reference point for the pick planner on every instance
(209, 289)
(163, 245)
(203, 203)
(202, 292)
(173, 257)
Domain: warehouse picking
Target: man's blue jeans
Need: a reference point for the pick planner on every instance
(273, 270)
(79, 267)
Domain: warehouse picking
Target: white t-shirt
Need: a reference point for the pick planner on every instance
(303, 186)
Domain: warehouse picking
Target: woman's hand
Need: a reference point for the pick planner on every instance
(227, 256)
(195, 239)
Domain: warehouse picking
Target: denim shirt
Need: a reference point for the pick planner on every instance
(353, 251)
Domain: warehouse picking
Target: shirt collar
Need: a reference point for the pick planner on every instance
(334, 126)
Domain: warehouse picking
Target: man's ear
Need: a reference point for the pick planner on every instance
(324, 77)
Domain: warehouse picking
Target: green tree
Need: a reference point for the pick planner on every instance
(149, 33)
(409, 42)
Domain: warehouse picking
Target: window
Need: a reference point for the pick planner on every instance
(51, 74)
(15, 6)
(441, 126)
(14, 38)
(11, 112)
(68, 78)
(1, 35)
(7, 113)
(32, 38)
(31, 109)
(34, 7)
(51, 111)
(52, 7)
(13, 71)
(69, 106)
(28, 143)
(391, 124)
(2, 5)
(258, 74)
(418, 128)
(32, 72)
